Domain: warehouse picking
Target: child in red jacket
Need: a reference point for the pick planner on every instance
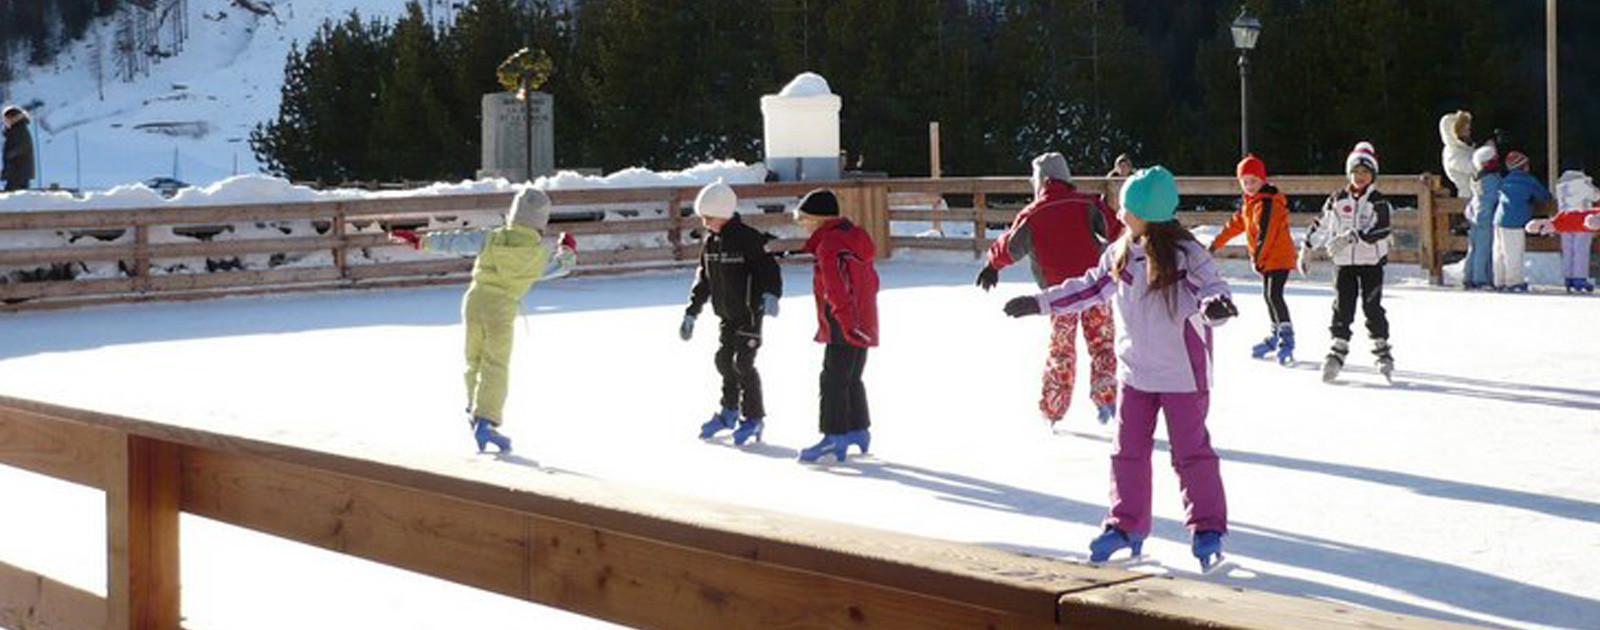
(845, 286)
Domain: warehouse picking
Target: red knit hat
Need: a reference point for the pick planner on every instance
(1517, 160)
(1251, 165)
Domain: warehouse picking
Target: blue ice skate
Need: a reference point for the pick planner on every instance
(720, 421)
(1285, 344)
(860, 438)
(1106, 413)
(1266, 347)
(1208, 548)
(749, 428)
(1110, 541)
(835, 444)
(484, 432)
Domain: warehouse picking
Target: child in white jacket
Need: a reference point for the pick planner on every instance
(1354, 228)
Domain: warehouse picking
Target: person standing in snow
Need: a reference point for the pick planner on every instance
(18, 168)
(1168, 297)
(743, 283)
(1263, 217)
(510, 260)
(1478, 269)
(845, 285)
(1064, 231)
(1354, 229)
(1455, 130)
(1518, 193)
(1577, 195)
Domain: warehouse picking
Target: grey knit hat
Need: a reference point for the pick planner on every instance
(1050, 166)
(531, 209)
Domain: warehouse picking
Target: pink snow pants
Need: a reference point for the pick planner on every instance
(1199, 476)
(1061, 366)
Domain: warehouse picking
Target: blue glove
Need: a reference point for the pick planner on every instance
(769, 304)
(686, 329)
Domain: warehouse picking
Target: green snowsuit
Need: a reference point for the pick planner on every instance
(510, 260)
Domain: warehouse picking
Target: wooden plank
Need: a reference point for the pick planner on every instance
(942, 244)
(44, 444)
(231, 279)
(619, 256)
(431, 533)
(65, 288)
(645, 584)
(341, 248)
(141, 257)
(452, 265)
(1166, 603)
(993, 215)
(35, 602)
(142, 497)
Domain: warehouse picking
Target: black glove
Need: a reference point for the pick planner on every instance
(1219, 309)
(988, 277)
(1022, 306)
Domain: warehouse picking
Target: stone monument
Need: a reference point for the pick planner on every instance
(505, 138)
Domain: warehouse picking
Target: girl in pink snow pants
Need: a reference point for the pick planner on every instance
(1167, 296)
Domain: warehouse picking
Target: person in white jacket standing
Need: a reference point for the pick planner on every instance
(1455, 130)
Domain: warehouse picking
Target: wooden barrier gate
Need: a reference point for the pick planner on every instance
(635, 557)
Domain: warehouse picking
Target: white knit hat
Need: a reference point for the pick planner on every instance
(531, 208)
(1363, 155)
(716, 201)
(1050, 166)
(1483, 157)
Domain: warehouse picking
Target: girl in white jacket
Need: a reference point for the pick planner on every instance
(1455, 130)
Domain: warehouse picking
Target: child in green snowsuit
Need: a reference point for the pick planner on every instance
(510, 260)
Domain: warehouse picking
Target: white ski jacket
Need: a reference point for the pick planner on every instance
(1457, 156)
(1354, 229)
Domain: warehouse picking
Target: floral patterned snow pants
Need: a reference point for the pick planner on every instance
(1060, 368)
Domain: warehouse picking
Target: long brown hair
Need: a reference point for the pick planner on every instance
(1161, 243)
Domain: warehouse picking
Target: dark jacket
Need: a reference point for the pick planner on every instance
(1063, 230)
(845, 284)
(735, 271)
(18, 154)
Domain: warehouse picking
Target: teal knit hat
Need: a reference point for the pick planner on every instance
(1151, 194)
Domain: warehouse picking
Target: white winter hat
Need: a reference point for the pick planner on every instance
(716, 201)
(531, 208)
(1050, 166)
(1484, 157)
(1363, 155)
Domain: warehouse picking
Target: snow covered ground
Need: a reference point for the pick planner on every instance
(1467, 491)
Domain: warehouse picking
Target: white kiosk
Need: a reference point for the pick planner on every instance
(802, 130)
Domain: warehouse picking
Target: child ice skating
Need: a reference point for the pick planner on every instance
(1263, 218)
(743, 283)
(1578, 198)
(1063, 232)
(510, 260)
(1518, 193)
(1167, 298)
(1354, 229)
(845, 285)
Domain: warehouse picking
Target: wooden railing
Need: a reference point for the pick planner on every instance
(1423, 236)
(631, 556)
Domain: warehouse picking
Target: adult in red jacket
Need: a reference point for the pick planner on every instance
(1064, 231)
(845, 286)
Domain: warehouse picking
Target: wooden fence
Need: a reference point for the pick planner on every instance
(635, 557)
(885, 208)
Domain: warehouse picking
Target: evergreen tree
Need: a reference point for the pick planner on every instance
(415, 134)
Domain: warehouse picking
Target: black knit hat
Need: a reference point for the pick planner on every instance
(819, 203)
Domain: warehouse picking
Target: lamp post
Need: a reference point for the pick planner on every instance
(1246, 30)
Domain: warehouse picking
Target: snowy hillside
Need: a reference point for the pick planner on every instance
(192, 114)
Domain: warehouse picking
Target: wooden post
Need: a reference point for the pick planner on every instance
(1427, 235)
(935, 167)
(980, 222)
(675, 233)
(1552, 94)
(143, 485)
(341, 253)
(141, 256)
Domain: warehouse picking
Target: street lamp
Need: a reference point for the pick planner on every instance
(1246, 30)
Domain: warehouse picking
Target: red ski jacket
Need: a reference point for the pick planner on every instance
(1063, 230)
(845, 284)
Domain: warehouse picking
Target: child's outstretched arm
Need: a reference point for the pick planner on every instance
(1074, 294)
(1234, 227)
(459, 242)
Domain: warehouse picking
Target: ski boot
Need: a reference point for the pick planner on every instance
(1574, 285)
(748, 428)
(720, 421)
(1111, 540)
(1335, 360)
(1207, 548)
(1266, 347)
(1285, 344)
(1385, 363)
(835, 444)
(485, 433)
(1107, 412)
(1520, 287)
(1585, 285)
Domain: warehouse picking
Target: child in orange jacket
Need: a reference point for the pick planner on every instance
(1263, 218)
